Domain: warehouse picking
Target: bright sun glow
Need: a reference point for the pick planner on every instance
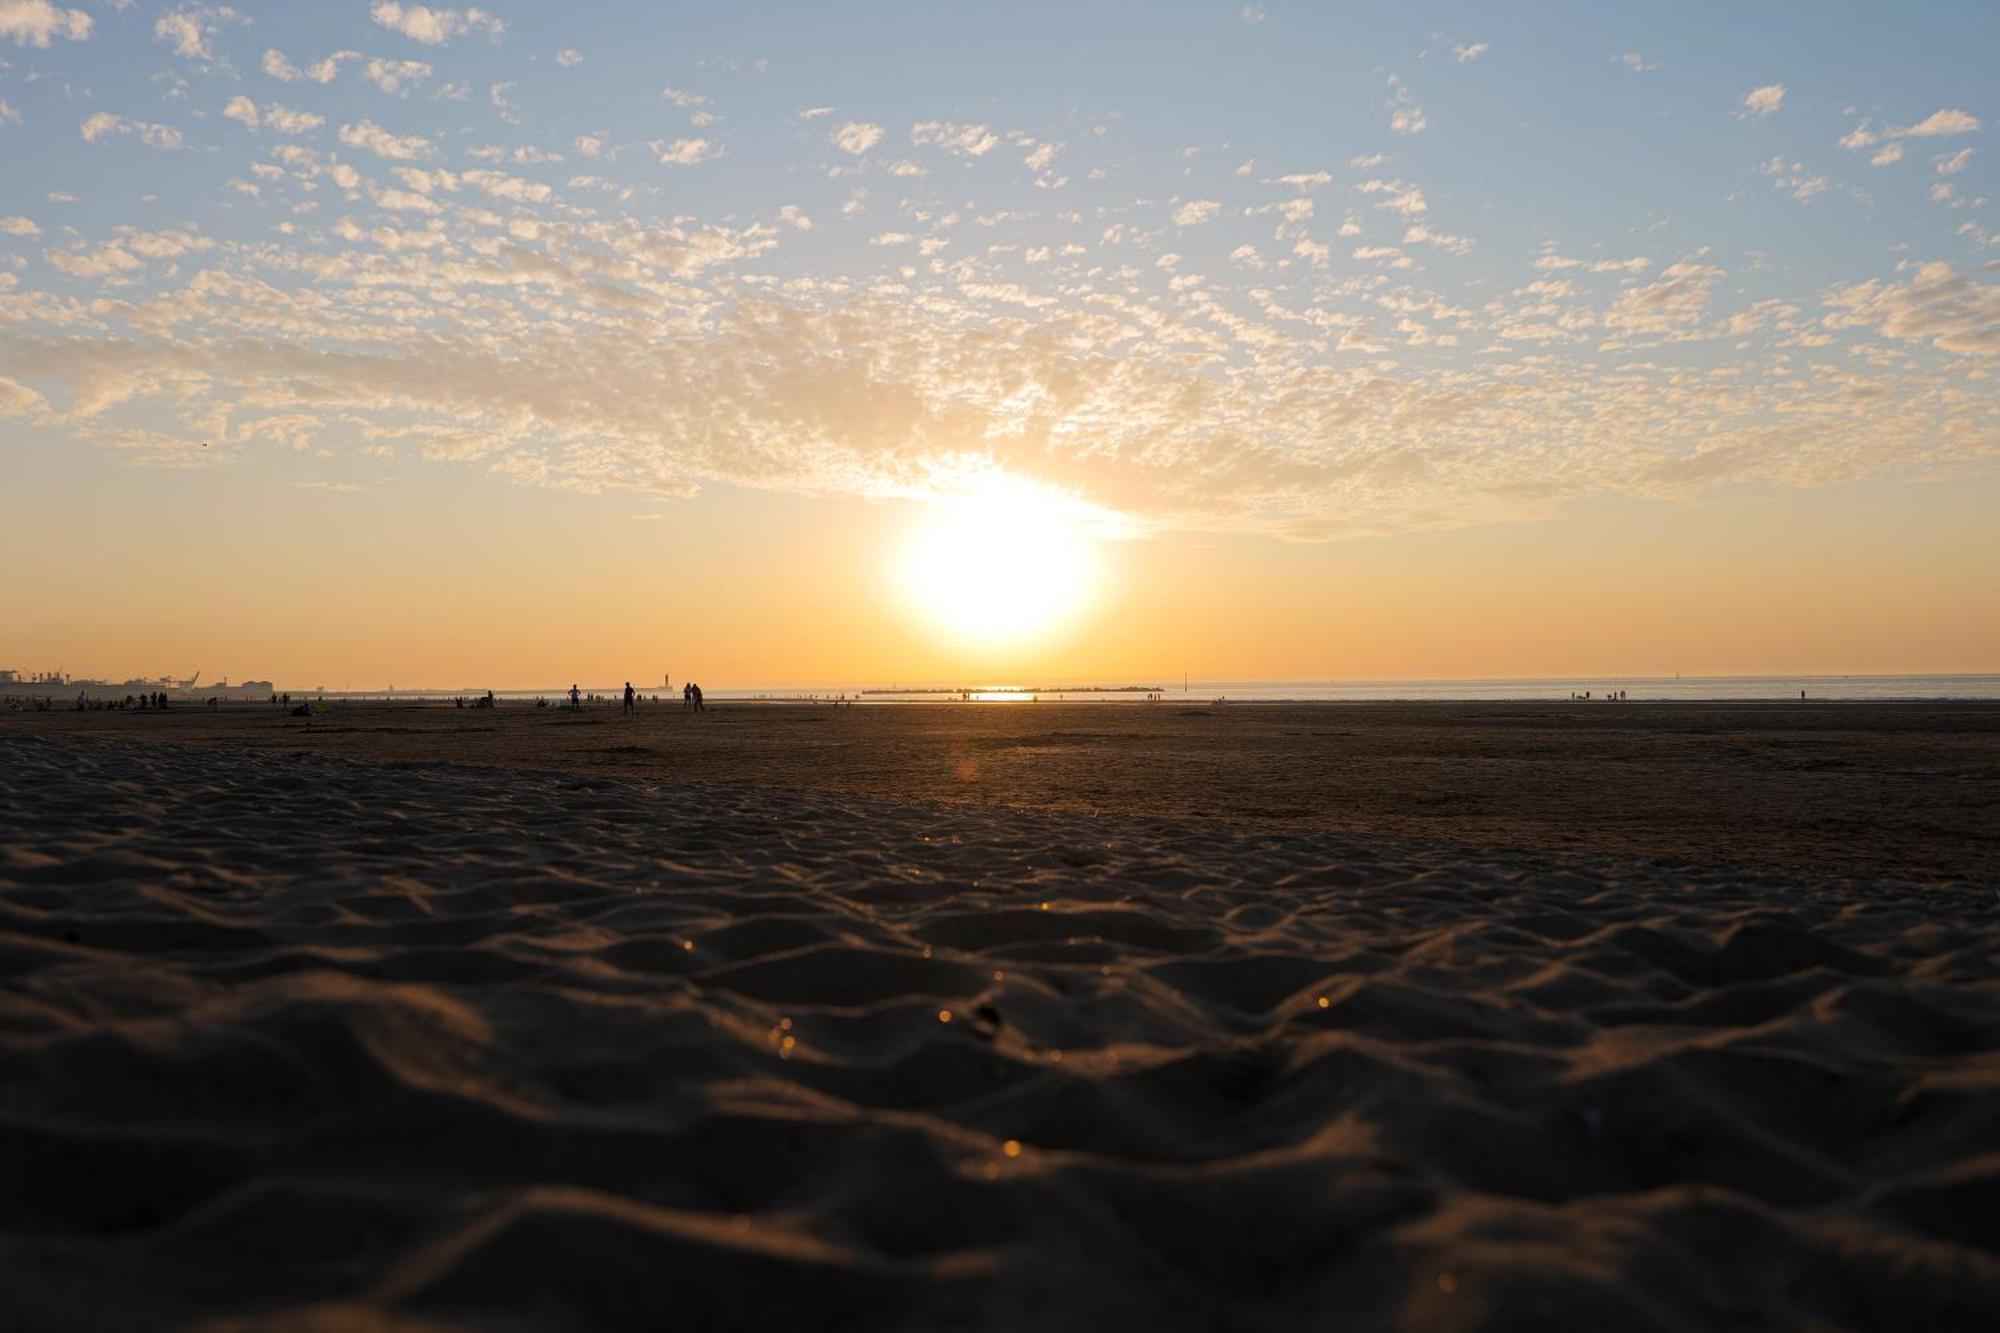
(1001, 562)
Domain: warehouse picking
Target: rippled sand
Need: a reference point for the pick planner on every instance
(314, 1042)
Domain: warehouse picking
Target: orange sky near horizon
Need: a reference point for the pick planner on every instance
(480, 583)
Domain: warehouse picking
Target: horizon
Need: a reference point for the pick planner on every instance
(898, 689)
(368, 342)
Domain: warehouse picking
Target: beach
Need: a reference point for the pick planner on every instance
(1072, 1016)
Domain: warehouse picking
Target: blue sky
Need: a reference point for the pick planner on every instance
(1311, 271)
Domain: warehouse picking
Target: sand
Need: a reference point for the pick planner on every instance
(337, 1040)
(1898, 791)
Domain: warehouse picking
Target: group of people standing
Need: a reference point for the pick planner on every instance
(690, 698)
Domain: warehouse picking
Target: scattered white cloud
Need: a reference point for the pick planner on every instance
(1791, 178)
(396, 76)
(1469, 52)
(434, 27)
(1942, 123)
(954, 137)
(688, 152)
(38, 22)
(1635, 62)
(857, 137)
(190, 29)
(618, 331)
(569, 57)
(396, 147)
(1405, 116)
(1937, 306)
(1889, 155)
(1950, 164)
(1760, 102)
(104, 125)
(324, 70)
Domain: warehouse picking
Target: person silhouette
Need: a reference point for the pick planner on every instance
(687, 696)
(630, 699)
(697, 698)
(575, 696)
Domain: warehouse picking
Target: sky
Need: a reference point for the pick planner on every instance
(362, 342)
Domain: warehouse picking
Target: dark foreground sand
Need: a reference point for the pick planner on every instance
(322, 1042)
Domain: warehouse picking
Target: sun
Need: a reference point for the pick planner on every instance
(1001, 562)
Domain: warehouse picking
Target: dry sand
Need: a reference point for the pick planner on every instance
(321, 1040)
(1902, 791)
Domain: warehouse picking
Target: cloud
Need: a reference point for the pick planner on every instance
(1763, 101)
(1790, 177)
(280, 119)
(1403, 197)
(189, 29)
(1943, 122)
(395, 76)
(857, 137)
(688, 152)
(1405, 116)
(397, 148)
(1938, 306)
(502, 186)
(815, 112)
(19, 226)
(1469, 52)
(276, 66)
(1635, 62)
(434, 27)
(104, 125)
(1950, 164)
(1679, 299)
(569, 57)
(655, 337)
(37, 22)
(1889, 156)
(682, 99)
(8, 115)
(18, 400)
(954, 137)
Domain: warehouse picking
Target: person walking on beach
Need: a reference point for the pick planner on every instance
(687, 696)
(575, 696)
(630, 699)
(697, 697)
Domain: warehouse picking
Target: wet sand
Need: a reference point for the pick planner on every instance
(1074, 1018)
